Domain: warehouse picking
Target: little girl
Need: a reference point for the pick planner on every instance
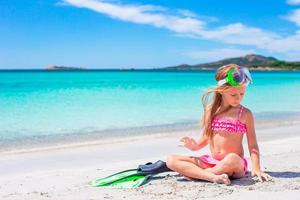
(225, 122)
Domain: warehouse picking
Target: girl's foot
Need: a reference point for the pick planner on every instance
(223, 179)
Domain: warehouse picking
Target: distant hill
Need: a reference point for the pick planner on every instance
(54, 67)
(252, 61)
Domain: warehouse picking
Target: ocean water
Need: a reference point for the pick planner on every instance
(43, 104)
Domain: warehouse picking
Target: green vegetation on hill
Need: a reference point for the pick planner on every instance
(286, 65)
(252, 61)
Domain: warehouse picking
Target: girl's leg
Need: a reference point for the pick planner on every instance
(193, 168)
(232, 164)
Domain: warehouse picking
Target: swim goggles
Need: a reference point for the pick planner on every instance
(237, 77)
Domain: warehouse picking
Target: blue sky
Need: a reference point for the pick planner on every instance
(144, 33)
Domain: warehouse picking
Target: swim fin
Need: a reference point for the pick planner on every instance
(154, 168)
(132, 181)
(132, 178)
(114, 177)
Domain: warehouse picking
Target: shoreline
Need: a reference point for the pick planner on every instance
(268, 131)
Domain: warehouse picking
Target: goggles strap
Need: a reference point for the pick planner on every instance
(222, 82)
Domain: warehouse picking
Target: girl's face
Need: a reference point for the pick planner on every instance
(233, 95)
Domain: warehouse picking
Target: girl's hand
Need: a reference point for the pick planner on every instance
(189, 143)
(261, 175)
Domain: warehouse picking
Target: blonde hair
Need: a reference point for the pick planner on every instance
(212, 100)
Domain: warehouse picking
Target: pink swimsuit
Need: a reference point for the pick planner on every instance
(228, 126)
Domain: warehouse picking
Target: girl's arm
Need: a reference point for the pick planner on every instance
(253, 148)
(203, 141)
(191, 144)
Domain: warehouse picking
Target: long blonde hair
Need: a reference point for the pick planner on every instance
(212, 100)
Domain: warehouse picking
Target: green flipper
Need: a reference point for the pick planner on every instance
(133, 181)
(115, 177)
(132, 178)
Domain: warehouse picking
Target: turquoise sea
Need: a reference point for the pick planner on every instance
(42, 105)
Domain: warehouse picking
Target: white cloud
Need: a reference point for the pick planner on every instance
(293, 2)
(188, 13)
(142, 14)
(292, 56)
(188, 24)
(294, 16)
(242, 35)
(218, 54)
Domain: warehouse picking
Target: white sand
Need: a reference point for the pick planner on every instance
(65, 173)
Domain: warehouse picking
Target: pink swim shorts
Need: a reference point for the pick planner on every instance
(210, 161)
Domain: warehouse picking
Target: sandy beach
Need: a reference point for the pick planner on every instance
(64, 172)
